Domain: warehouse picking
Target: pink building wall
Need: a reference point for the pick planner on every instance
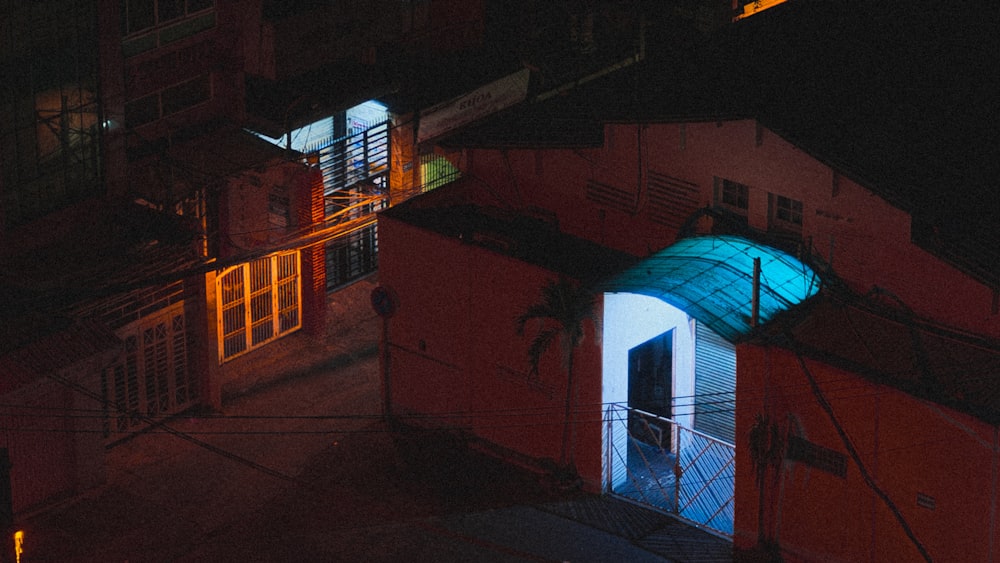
(909, 447)
(866, 239)
(455, 351)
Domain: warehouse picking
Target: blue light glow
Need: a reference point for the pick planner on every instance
(711, 279)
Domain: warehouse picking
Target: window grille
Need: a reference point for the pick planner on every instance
(788, 210)
(436, 171)
(732, 195)
(259, 301)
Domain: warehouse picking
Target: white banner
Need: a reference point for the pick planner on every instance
(491, 98)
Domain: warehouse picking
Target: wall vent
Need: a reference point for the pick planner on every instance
(611, 197)
(925, 501)
(671, 200)
(802, 450)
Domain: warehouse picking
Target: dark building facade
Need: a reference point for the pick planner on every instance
(156, 234)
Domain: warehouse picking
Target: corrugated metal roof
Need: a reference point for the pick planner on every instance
(711, 279)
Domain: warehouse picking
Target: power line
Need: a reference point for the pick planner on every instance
(182, 435)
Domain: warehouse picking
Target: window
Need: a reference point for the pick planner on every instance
(151, 377)
(50, 132)
(140, 15)
(168, 101)
(259, 302)
(186, 94)
(148, 24)
(785, 213)
(732, 196)
(436, 171)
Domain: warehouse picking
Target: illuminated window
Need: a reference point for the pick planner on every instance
(50, 133)
(436, 171)
(258, 302)
(732, 196)
(785, 213)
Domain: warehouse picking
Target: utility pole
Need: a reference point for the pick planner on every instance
(755, 297)
(384, 301)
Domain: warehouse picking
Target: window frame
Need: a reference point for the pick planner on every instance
(157, 22)
(741, 205)
(145, 104)
(785, 214)
(258, 302)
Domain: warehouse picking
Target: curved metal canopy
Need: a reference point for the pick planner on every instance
(711, 279)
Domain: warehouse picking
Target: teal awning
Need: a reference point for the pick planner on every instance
(711, 279)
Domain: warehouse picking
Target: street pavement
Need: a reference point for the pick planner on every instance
(301, 467)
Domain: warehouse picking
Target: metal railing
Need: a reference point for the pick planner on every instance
(353, 253)
(657, 462)
(358, 157)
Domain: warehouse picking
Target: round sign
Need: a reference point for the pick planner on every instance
(383, 301)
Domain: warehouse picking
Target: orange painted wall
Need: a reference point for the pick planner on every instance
(908, 446)
(455, 352)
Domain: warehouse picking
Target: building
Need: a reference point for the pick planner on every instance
(790, 328)
(163, 216)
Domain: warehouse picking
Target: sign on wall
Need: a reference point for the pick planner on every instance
(483, 101)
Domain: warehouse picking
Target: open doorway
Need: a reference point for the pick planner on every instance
(650, 388)
(653, 357)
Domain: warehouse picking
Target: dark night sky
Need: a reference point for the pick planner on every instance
(906, 93)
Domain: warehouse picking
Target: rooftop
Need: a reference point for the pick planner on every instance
(903, 99)
(535, 240)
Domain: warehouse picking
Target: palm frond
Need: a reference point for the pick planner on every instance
(561, 313)
(541, 343)
(539, 311)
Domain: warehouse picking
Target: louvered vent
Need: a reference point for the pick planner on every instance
(611, 197)
(715, 385)
(671, 200)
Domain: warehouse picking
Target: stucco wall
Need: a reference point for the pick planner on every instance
(455, 351)
(908, 447)
(866, 239)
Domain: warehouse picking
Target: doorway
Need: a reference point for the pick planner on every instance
(650, 387)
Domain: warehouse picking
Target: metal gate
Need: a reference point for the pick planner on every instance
(359, 157)
(151, 380)
(664, 465)
(354, 254)
(355, 168)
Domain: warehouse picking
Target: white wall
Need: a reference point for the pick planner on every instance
(631, 319)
